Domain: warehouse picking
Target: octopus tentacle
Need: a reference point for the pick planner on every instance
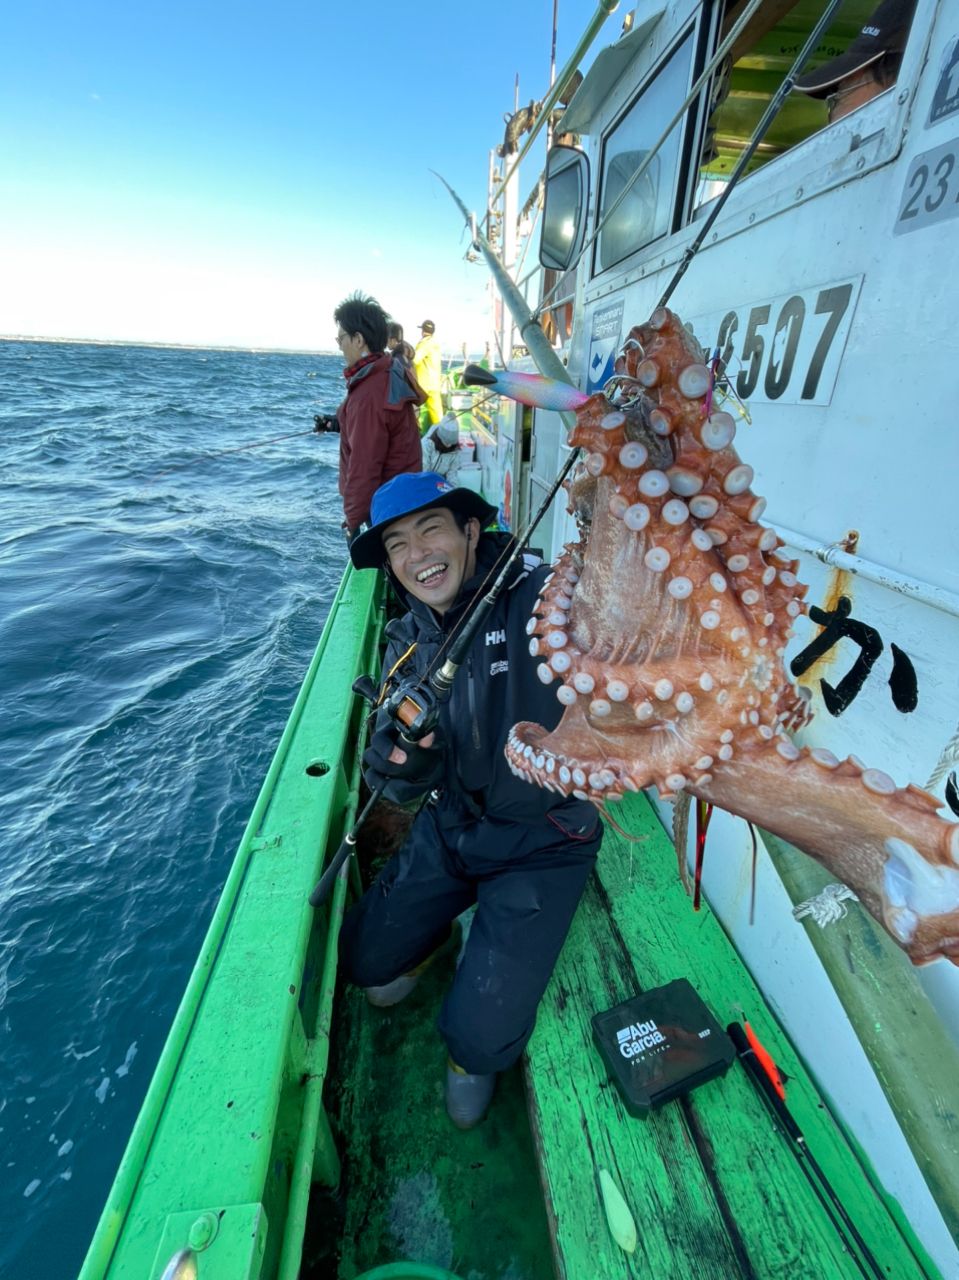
(664, 628)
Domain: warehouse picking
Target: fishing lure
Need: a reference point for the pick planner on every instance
(527, 388)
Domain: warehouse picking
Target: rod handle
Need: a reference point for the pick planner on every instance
(747, 1056)
(326, 880)
(325, 883)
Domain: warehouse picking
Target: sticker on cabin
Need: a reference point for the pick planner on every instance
(604, 344)
(931, 190)
(784, 350)
(945, 100)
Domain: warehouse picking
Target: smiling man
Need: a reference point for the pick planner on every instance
(520, 854)
(379, 435)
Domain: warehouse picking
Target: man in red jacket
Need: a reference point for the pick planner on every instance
(379, 436)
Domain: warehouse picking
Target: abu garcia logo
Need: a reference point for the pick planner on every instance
(637, 1037)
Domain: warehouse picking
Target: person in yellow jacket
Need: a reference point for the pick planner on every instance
(428, 368)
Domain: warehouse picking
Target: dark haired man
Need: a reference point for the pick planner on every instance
(379, 436)
(397, 345)
(521, 854)
(868, 67)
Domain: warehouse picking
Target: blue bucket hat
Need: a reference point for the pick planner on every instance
(403, 496)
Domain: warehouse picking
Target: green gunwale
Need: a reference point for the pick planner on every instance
(220, 1127)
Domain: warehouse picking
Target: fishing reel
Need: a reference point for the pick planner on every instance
(413, 706)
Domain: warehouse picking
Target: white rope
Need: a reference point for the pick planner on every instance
(827, 906)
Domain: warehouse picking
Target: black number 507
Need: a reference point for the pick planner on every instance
(784, 346)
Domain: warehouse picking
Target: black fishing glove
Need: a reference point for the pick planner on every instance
(423, 766)
(325, 422)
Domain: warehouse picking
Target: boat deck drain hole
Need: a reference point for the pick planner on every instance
(317, 768)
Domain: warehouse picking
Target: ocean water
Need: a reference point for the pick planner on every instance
(158, 609)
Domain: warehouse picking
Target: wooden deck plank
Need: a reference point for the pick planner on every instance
(715, 1189)
(571, 1100)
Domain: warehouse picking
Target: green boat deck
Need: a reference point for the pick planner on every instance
(416, 1188)
(714, 1188)
(287, 1133)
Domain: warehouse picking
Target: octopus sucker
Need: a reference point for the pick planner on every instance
(664, 628)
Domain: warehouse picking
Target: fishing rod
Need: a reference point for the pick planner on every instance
(458, 413)
(322, 421)
(772, 110)
(414, 713)
(414, 704)
(205, 457)
(774, 1097)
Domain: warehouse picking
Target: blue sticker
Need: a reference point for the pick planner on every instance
(945, 100)
(604, 344)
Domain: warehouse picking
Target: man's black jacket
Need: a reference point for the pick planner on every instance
(495, 687)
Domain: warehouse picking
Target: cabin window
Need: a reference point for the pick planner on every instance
(756, 67)
(646, 211)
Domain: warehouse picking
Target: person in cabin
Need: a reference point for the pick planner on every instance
(379, 437)
(441, 449)
(428, 367)
(521, 854)
(868, 67)
(397, 345)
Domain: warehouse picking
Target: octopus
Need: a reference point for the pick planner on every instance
(664, 629)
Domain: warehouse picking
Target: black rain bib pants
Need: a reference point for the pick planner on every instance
(526, 881)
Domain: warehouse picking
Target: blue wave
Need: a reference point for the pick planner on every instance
(158, 608)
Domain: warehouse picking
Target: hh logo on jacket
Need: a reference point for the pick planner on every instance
(496, 637)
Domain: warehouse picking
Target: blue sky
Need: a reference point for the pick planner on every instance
(226, 173)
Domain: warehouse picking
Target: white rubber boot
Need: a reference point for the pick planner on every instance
(468, 1097)
(393, 992)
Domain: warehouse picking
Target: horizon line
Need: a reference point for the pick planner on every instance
(185, 346)
(176, 346)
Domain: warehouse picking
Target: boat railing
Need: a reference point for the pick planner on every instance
(233, 1128)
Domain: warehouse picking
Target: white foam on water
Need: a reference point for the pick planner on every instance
(124, 1067)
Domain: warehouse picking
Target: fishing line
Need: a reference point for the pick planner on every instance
(259, 444)
(752, 879)
(456, 413)
(205, 457)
